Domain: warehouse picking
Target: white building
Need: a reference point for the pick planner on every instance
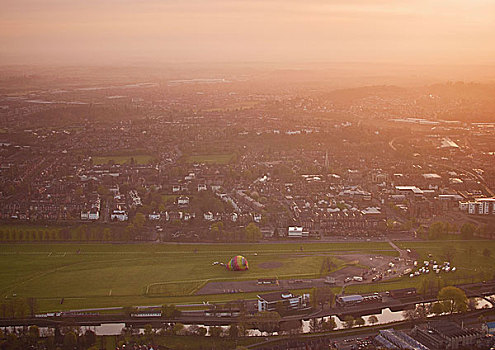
(472, 207)
(154, 216)
(183, 200)
(188, 216)
(119, 215)
(257, 217)
(409, 190)
(297, 232)
(480, 206)
(135, 199)
(92, 214)
(269, 301)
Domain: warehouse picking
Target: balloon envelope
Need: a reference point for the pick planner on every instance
(238, 263)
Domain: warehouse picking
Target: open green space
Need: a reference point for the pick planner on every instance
(211, 158)
(110, 275)
(110, 342)
(123, 159)
(193, 343)
(170, 198)
(474, 261)
(101, 275)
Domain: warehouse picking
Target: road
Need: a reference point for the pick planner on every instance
(198, 317)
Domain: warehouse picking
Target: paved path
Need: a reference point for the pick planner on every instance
(402, 253)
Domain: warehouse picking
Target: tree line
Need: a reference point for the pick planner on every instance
(79, 233)
(442, 229)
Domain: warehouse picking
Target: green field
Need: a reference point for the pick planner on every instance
(188, 343)
(211, 158)
(138, 159)
(124, 274)
(170, 198)
(467, 256)
(105, 275)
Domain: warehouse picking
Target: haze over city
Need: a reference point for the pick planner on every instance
(123, 31)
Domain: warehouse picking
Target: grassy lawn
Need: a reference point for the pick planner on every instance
(105, 275)
(233, 106)
(110, 342)
(29, 227)
(193, 343)
(51, 304)
(169, 198)
(138, 159)
(467, 257)
(383, 286)
(211, 158)
(116, 275)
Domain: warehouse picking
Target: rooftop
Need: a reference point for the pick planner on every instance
(276, 296)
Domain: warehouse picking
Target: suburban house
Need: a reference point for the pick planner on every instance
(183, 200)
(154, 216)
(119, 215)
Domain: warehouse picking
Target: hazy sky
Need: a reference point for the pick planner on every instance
(99, 31)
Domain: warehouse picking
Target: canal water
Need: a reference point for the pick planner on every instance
(386, 316)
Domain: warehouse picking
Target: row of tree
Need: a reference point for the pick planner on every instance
(450, 300)
(68, 338)
(442, 229)
(79, 233)
(18, 308)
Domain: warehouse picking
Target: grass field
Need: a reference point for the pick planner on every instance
(467, 257)
(115, 275)
(170, 198)
(234, 106)
(138, 158)
(105, 275)
(211, 158)
(190, 343)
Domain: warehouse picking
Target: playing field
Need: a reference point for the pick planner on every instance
(103, 275)
(211, 158)
(92, 275)
(474, 262)
(138, 159)
(473, 259)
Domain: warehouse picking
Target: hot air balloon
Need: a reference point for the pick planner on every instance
(238, 263)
